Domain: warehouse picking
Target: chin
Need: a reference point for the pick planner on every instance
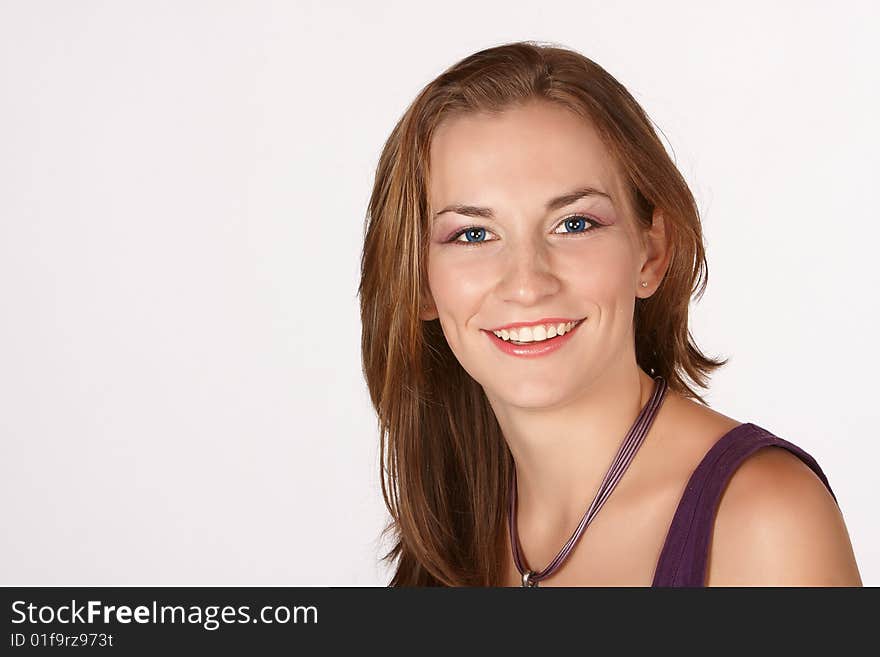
(531, 395)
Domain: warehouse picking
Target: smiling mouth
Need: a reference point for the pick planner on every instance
(536, 334)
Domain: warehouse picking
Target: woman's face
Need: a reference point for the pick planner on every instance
(504, 253)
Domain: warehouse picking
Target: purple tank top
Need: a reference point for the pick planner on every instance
(685, 552)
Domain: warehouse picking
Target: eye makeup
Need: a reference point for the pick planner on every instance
(590, 225)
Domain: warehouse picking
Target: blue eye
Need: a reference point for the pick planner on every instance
(577, 224)
(574, 225)
(473, 234)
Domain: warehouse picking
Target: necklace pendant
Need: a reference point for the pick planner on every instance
(527, 581)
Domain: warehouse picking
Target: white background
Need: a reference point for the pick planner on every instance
(182, 194)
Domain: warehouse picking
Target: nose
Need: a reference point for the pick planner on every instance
(527, 277)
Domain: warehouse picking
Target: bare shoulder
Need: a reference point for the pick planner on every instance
(778, 525)
(688, 432)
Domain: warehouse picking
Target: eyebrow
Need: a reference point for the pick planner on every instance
(552, 204)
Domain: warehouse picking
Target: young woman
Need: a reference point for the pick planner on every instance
(530, 254)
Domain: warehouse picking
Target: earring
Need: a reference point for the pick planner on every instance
(644, 283)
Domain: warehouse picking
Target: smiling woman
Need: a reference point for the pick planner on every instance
(530, 256)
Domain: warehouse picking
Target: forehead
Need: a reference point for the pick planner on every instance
(526, 154)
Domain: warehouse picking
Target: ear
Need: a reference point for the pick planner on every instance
(428, 310)
(656, 253)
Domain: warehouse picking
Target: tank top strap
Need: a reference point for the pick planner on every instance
(685, 551)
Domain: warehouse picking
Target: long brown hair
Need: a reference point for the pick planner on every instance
(445, 467)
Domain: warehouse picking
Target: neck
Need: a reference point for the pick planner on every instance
(563, 453)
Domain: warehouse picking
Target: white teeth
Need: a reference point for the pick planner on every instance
(535, 333)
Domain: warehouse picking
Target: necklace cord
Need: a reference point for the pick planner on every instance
(625, 454)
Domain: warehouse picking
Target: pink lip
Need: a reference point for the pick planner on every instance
(546, 320)
(534, 349)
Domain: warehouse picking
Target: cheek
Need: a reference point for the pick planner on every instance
(602, 274)
(458, 283)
